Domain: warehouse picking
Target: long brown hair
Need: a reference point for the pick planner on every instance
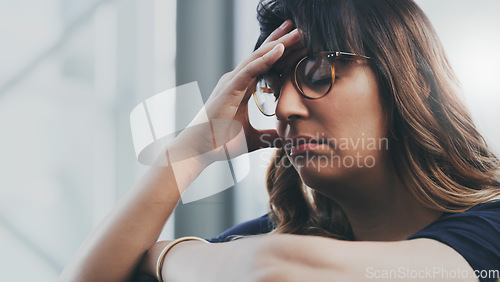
(439, 154)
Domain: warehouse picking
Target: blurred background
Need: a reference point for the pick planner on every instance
(71, 72)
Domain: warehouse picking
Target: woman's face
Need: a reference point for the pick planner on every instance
(340, 137)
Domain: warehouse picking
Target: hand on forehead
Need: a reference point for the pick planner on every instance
(290, 58)
(293, 52)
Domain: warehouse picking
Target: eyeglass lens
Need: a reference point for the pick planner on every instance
(313, 75)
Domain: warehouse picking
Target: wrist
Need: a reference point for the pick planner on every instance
(186, 148)
(148, 263)
(161, 258)
(185, 261)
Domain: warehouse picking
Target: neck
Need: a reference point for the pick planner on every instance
(392, 219)
(383, 209)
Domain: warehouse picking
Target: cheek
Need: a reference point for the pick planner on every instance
(281, 128)
(354, 111)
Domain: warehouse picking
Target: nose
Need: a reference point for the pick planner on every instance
(290, 104)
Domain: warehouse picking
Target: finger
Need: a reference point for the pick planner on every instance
(288, 61)
(283, 29)
(249, 92)
(251, 71)
(287, 40)
(294, 48)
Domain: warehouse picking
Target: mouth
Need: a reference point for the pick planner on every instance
(302, 144)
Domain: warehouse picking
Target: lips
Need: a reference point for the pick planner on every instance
(302, 144)
(303, 148)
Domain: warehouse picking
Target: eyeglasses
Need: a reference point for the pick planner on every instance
(313, 77)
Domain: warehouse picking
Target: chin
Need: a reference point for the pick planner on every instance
(324, 170)
(318, 175)
(330, 183)
(323, 176)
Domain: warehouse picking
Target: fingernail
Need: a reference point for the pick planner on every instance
(285, 24)
(295, 33)
(277, 48)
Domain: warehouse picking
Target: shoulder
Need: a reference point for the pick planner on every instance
(474, 234)
(260, 225)
(485, 214)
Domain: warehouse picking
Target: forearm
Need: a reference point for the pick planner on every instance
(186, 261)
(116, 246)
(198, 261)
(278, 257)
(314, 258)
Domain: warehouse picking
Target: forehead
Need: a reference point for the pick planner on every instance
(293, 57)
(289, 59)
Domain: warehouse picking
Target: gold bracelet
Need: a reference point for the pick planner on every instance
(161, 258)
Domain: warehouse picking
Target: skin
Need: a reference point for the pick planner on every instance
(377, 204)
(125, 241)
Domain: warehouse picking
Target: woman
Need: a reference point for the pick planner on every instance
(418, 198)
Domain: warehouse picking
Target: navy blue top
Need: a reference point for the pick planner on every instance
(475, 234)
